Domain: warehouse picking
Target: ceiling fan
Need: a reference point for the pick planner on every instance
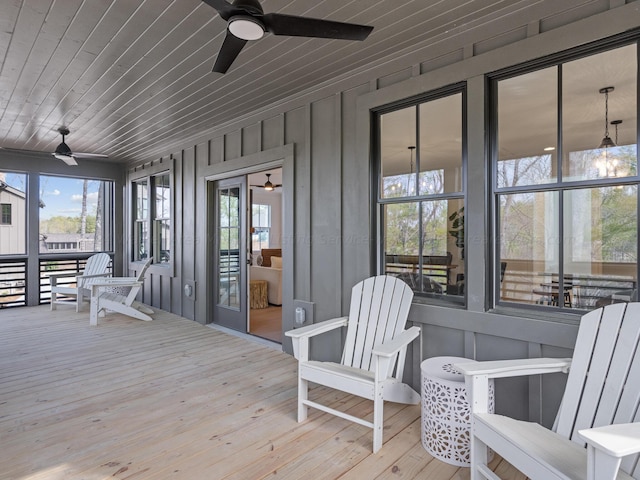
(268, 186)
(64, 153)
(247, 21)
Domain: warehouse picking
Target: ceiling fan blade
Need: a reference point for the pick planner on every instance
(280, 24)
(68, 159)
(88, 155)
(224, 8)
(230, 49)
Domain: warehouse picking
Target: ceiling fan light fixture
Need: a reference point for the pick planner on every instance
(63, 149)
(246, 27)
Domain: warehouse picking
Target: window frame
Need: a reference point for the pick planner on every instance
(4, 215)
(559, 185)
(380, 202)
(149, 175)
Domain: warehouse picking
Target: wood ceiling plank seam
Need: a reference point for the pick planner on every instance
(350, 19)
(411, 46)
(245, 88)
(254, 102)
(29, 21)
(9, 14)
(151, 96)
(105, 85)
(104, 26)
(59, 28)
(75, 67)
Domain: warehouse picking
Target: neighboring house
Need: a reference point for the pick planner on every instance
(13, 216)
(66, 242)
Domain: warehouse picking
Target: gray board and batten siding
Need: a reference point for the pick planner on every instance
(321, 138)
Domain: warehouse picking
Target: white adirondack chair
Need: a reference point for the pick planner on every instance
(119, 294)
(95, 269)
(375, 346)
(599, 406)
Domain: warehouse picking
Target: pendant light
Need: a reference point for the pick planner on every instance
(606, 141)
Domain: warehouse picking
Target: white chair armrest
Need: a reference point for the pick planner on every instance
(98, 285)
(120, 280)
(318, 328)
(300, 336)
(392, 347)
(97, 275)
(515, 368)
(616, 440)
(61, 275)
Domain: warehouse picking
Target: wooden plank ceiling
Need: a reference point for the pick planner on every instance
(132, 79)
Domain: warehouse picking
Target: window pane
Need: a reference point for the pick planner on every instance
(528, 229)
(587, 115)
(13, 211)
(163, 196)
(141, 240)
(397, 135)
(441, 145)
(261, 215)
(142, 199)
(421, 245)
(73, 214)
(600, 261)
(527, 128)
(162, 245)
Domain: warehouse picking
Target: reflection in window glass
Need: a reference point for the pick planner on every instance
(601, 255)
(424, 245)
(440, 154)
(398, 153)
(603, 106)
(228, 245)
(573, 243)
(141, 221)
(162, 223)
(73, 214)
(528, 229)
(13, 213)
(527, 141)
(421, 160)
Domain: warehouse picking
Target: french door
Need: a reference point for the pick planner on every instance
(229, 254)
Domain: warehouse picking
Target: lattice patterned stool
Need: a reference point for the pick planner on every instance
(446, 414)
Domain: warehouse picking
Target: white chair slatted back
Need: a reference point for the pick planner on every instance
(96, 264)
(602, 386)
(379, 309)
(140, 278)
(143, 270)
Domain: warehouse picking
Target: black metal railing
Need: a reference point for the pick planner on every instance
(13, 283)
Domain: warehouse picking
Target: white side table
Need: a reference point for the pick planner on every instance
(446, 414)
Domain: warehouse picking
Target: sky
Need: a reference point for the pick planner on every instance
(62, 196)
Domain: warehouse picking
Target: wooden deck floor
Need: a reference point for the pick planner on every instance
(173, 399)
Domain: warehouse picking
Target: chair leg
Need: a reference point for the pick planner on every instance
(479, 458)
(303, 395)
(378, 419)
(54, 296)
(79, 300)
(93, 314)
